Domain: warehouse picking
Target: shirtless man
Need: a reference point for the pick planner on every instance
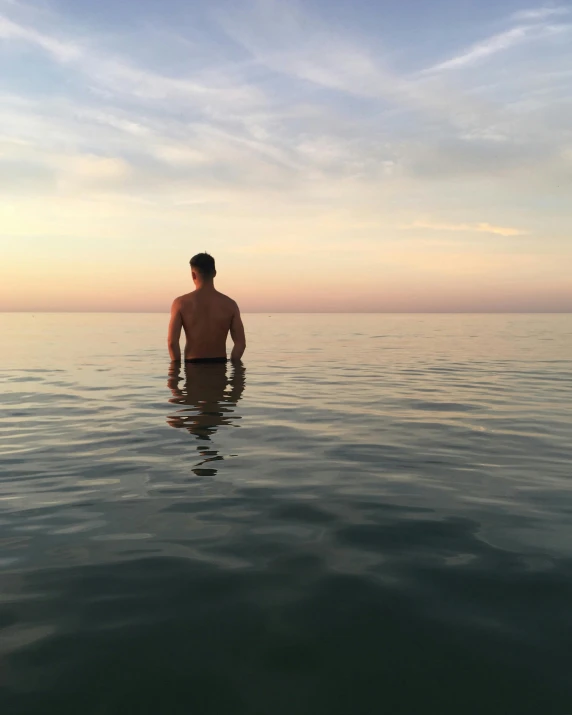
(207, 316)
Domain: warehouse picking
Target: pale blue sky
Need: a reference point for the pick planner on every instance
(368, 155)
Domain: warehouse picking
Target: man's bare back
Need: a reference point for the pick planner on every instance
(207, 317)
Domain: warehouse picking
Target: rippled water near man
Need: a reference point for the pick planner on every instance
(208, 399)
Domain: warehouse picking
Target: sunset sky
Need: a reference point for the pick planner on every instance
(332, 155)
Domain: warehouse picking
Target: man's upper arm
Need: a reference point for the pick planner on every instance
(176, 322)
(236, 327)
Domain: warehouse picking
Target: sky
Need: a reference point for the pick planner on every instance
(333, 155)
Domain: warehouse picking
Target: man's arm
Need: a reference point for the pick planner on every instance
(237, 335)
(175, 325)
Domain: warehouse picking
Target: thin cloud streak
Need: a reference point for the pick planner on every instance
(116, 74)
(498, 43)
(471, 228)
(541, 13)
(61, 51)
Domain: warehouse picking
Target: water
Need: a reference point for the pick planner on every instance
(372, 516)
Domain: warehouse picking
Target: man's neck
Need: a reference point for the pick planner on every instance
(204, 286)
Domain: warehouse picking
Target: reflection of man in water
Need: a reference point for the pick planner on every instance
(210, 398)
(207, 317)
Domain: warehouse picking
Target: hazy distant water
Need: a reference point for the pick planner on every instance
(373, 516)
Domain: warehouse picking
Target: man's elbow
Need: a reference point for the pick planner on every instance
(238, 349)
(238, 339)
(174, 349)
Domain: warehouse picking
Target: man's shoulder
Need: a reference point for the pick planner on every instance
(227, 300)
(183, 300)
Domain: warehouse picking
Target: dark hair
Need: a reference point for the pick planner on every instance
(204, 264)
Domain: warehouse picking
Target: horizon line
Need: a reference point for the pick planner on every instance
(298, 312)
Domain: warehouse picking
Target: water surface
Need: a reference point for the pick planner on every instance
(372, 515)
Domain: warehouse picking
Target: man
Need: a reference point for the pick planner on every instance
(207, 316)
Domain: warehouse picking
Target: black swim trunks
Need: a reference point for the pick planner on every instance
(206, 360)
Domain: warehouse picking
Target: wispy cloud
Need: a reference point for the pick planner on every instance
(531, 27)
(62, 51)
(116, 75)
(462, 227)
(497, 43)
(486, 48)
(541, 13)
(287, 39)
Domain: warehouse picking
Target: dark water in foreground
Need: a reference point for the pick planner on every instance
(374, 515)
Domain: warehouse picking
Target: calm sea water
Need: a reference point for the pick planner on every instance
(373, 515)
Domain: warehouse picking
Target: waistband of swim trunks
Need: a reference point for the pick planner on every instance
(207, 360)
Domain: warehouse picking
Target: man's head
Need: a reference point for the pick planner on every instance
(203, 267)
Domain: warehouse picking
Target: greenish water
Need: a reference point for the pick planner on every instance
(372, 515)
